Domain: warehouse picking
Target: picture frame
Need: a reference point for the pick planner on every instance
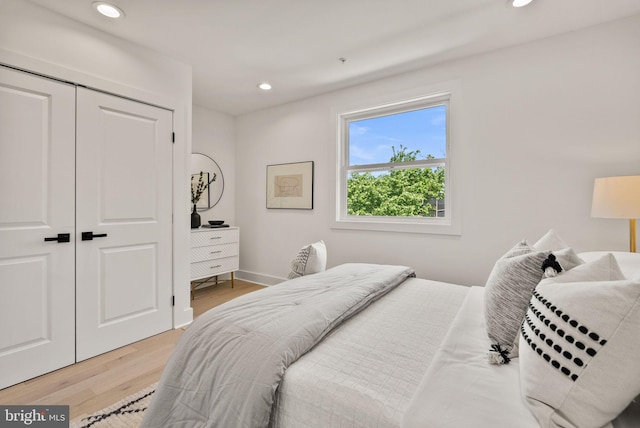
(290, 186)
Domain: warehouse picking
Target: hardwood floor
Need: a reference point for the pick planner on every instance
(93, 384)
(207, 298)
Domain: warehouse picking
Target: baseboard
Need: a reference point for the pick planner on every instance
(258, 278)
(184, 319)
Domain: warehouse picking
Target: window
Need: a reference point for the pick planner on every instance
(394, 167)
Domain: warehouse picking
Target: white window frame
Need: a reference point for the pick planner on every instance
(449, 224)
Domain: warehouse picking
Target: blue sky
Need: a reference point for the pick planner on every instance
(370, 140)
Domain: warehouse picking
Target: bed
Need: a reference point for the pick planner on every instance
(396, 351)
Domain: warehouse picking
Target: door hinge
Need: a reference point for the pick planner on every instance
(173, 137)
(173, 300)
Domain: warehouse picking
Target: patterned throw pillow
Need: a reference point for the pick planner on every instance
(310, 259)
(579, 348)
(507, 293)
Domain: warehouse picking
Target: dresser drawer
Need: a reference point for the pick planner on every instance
(212, 252)
(203, 238)
(214, 267)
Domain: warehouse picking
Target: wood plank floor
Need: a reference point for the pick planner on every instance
(94, 384)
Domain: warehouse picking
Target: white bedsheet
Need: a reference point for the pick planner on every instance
(365, 373)
(461, 389)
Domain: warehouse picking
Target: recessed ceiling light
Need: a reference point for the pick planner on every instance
(108, 9)
(264, 86)
(520, 3)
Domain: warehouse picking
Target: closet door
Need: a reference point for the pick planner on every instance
(124, 212)
(37, 155)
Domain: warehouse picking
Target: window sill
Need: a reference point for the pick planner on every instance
(391, 225)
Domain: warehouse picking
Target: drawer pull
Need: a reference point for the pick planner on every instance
(216, 237)
(216, 252)
(216, 266)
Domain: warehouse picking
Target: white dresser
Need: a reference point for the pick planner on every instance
(214, 252)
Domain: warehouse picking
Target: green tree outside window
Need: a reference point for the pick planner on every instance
(402, 192)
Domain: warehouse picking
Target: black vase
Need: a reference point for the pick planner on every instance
(195, 218)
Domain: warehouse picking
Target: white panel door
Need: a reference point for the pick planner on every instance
(124, 198)
(37, 155)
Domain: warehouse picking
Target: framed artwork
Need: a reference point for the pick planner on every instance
(290, 185)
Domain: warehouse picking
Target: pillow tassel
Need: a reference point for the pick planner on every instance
(551, 267)
(498, 355)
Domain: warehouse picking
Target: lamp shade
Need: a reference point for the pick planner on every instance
(616, 197)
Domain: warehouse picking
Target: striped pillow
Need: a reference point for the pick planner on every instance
(507, 293)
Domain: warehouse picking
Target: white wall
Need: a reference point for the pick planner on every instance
(214, 136)
(34, 39)
(538, 123)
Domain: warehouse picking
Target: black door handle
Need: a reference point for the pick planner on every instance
(62, 237)
(88, 236)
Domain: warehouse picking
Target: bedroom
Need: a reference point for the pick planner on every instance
(539, 122)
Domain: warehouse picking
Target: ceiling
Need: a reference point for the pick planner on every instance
(296, 45)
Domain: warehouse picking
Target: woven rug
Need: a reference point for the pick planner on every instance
(126, 413)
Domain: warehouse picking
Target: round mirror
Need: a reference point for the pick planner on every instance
(212, 178)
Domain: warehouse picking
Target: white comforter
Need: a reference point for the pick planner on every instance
(365, 373)
(227, 365)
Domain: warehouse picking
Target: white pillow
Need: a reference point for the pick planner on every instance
(551, 241)
(567, 258)
(629, 262)
(579, 347)
(605, 268)
(311, 258)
